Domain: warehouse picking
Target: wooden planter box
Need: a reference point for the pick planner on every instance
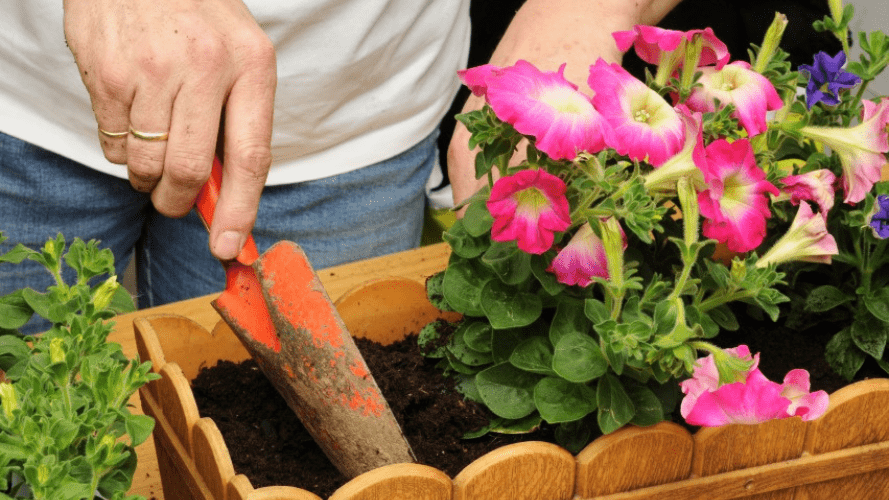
(844, 455)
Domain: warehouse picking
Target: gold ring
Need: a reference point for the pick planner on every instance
(149, 136)
(113, 135)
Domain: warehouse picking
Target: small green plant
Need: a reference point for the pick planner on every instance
(65, 430)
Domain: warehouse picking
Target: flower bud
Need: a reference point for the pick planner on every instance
(7, 399)
(105, 292)
(770, 42)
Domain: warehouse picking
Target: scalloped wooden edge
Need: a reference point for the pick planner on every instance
(534, 470)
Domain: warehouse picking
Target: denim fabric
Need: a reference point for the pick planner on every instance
(357, 215)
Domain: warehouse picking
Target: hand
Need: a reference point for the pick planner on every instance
(181, 67)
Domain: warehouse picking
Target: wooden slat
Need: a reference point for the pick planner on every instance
(388, 309)
(239, 488)
(634, 457)
(734, 447)
(522, 471)
(177, 401)
(397, 482)
(766, 478)
(180, 478)
(282, 493)
(867, 404)
(211, 457)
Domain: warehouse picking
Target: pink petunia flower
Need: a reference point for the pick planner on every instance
(705, 377)
(750, 400)
(476, 78)
(815, 186)
(651, 43)
(688, 162)
(545, 105)
(528, 208)
(861, 148)
(752, 94)
(805, 404)
(807, 240)
(735, 203)
(582, 259)
(643, 124)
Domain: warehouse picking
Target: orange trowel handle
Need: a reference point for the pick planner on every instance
(205, 204)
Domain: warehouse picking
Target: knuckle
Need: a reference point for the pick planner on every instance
(188, 170)
(253, 161)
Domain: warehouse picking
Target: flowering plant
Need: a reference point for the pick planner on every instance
(588, 268)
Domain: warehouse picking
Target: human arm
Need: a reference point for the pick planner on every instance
(197, 70)
(548, 34)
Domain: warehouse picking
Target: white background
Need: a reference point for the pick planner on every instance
(871, 15)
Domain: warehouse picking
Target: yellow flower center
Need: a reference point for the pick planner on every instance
(642, 115)
(565, 101)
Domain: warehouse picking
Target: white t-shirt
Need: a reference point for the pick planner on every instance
(359, 81)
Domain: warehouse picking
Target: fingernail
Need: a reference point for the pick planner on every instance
(229, 245)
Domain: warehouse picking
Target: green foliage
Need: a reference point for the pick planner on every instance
(67, 432)
(589, 358)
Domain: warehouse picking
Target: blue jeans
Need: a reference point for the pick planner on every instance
(357, 215)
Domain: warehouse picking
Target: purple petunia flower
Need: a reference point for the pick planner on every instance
(879, 222)
(827, 78)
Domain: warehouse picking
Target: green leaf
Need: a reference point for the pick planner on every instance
(649, 409)
(615, 406)
(534, 355)
(578, 358)
(522, 425)
(825, 298)
(510, 264)
(14, 311)
(724, 317)
(430, 339)
(122, 301)
(507, 307)
(462, 288)
(842, 354)
(463, 352)
(870, 335)
(878, 304)
(478, 335)
(573, 436)
(464, 244)
(507, 391)
(569, 317)
(477, 220)
(548, 280)
(139, 427)
(596, 311)
(559, 400)
(17, 254)
(504, 342)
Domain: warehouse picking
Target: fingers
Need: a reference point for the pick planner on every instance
(149, 116)
(247, 154)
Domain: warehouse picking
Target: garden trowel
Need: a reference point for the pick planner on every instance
(279, 309)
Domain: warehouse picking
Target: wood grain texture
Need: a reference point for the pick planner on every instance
(211, 457)
(614, 463)
(522, 471)
(397, 482)
(858, 415)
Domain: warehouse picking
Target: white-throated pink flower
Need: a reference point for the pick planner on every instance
(735, 202)
(529, 207)
(583, 259)
(688, 162)
(652, 43)
(545, 105)
(752, 94)
(475, 78)
(643, 125)
(807, 240)
(751, 399)
(861, 148)
(815, 186)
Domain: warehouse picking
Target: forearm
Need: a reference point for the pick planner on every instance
(549, 33)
